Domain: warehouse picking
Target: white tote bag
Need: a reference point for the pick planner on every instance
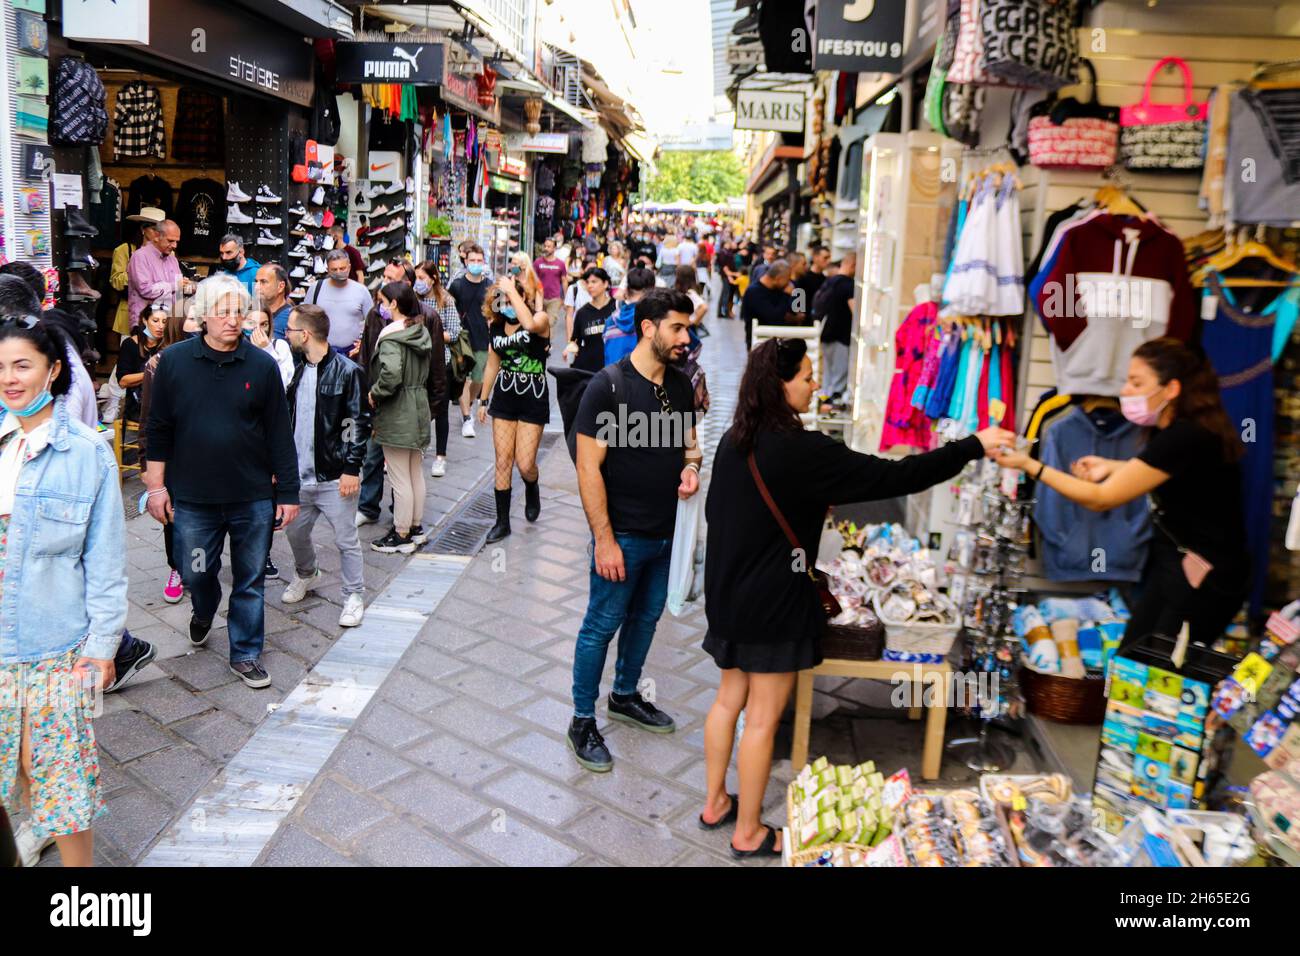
(682, 569)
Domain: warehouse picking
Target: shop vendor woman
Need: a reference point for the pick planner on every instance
(1198, 570)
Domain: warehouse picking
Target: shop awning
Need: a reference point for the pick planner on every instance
(583, 118)
(771, 163)
(311, 18)
(640, 146)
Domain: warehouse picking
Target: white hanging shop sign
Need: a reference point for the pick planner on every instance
(770, 110)
(537, 142)
(107, 21)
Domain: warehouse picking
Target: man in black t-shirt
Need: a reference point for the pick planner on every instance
(637, 455)
(469, 291)
(766, 301)
(835, 309)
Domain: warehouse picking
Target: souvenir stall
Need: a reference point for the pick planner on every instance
(1076, 209)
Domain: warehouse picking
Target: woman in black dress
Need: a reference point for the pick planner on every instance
(134, 353)
(515, 393)
(765, 617)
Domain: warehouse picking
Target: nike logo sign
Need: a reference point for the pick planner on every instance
(375, 169)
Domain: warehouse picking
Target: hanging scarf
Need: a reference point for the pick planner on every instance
(448, 138)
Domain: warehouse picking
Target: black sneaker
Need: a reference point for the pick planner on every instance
(419, 535)
(588, 745)
(271, 570)
(636, 710)
(251, 673)
(393, 543)
(127, 669)
(199, 632)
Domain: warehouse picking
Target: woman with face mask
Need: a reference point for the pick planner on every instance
(515, 391)
(63, 588)
(443, 321)
(1198, 568)
(257, 328)
(136, 350)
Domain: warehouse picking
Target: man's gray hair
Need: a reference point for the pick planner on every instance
(215, 288)
(779, 267)
(231, 237)
(335, 255)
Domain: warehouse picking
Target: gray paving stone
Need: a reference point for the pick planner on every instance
(518, 633)
(440, 804)
(448, 635)
(545, 754)
(177, 771)
(293, 847)
(557, 680)
(515, 843)
(286, 670)
(453, 759)
(475, 721)
(494, 689)
(248, 704)
(414, 693)
(305, 643)
(112, 777)
(637, 794)
(202, 670)
(134, 819)
(340, 812)
(393, 726)
(539, 798)
(366, 764)
(659, 753)
(502, 657)
(547, 712)
(668, 688)
(625, 841)
(165, 701)
(130, 734)
(217, 734)
(431, 664)
(462, 611)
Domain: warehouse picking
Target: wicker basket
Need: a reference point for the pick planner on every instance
(810, 855)
(918, 638)
(853, 643)
(1066, 700)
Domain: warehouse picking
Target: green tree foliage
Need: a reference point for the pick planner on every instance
(697, 176)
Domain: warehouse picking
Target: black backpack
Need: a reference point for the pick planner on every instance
(570, 385)
(78, 112)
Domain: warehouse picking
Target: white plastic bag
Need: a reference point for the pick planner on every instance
(111, 394)
(682, 569)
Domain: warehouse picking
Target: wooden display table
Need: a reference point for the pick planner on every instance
(936, 679)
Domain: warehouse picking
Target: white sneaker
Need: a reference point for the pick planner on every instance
(30, 847)
(264, 218)
(264, 195)
(266, 238)
(235, 194)
(364, 519)
(298, 587)
(439, 467)
(298, 273)
(237, 216)
(354, 609)
(467, 428)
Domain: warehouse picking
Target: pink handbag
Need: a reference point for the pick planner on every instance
(1164, 136)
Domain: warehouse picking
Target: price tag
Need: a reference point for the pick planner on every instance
(997, 410)
(1209, 307)
(1018, 802)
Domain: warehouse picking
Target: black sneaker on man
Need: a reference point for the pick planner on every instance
(252, 673)
(589, 746)
(142, 655)
(199, 632)
(271, 570)
(639, 712)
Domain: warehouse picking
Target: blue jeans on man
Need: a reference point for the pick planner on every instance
(372, 480)
(631, 608)
(201, 531)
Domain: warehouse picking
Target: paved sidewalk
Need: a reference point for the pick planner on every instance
(175, 726)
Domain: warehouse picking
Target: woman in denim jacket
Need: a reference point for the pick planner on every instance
(62, 589)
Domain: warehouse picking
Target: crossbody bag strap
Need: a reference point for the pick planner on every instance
(771, 504)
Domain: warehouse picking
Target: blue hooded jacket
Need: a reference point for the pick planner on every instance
(620, 332)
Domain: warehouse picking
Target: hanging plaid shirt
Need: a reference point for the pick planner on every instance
(138, 122)
(199, 132)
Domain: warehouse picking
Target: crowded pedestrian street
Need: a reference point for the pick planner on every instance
(702, 433)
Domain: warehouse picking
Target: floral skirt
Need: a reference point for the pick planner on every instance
(64, 789)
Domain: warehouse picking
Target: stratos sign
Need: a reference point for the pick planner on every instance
(416, 63)
(770, 110)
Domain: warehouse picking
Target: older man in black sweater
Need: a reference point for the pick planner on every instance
(221, 461)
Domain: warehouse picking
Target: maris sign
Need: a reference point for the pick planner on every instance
(770, 110)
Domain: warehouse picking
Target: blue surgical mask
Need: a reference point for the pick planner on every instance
(516, 270)
(38, 403)
(476, 268)
(422, 288)
(509, 312)
(386, 313)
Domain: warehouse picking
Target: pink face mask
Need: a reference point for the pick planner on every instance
(1135, 409)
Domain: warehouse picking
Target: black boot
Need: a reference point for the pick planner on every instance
(502, 527)
(532, 500)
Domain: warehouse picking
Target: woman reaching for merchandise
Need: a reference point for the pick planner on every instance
(1198, 569)
(515, 393)
(765, 615)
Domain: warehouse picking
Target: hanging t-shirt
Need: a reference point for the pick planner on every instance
(149, 190)
(589, 333)
(201, 214)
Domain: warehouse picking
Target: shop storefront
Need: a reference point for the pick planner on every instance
(987, 278)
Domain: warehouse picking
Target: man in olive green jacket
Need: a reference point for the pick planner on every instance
(399, 374)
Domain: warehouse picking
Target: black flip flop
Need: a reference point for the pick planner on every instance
(765, 849)
(728, 817)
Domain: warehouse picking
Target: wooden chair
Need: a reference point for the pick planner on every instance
(126, 437)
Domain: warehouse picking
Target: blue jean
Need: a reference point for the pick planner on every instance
(372, 480)
(632, 608)
(201, 532)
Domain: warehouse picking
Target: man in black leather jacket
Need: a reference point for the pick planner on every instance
(331, 423)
